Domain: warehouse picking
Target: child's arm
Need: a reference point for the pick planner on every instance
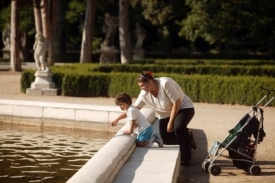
(115, 121)
(131, 129)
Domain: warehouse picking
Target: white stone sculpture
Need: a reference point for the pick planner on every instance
(140, 34)
(6, 37)
(109, 28)
(40, 47)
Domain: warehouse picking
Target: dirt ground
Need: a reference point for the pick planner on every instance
(210, 123)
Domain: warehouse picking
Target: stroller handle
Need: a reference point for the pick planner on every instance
(268, 91)
(260, 101)
(270, 100)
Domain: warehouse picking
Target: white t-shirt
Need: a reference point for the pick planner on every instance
(169, 92)
(133, 113)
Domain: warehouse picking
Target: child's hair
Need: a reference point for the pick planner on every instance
(145, 76)
(123, 97)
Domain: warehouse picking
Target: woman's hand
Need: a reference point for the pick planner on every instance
(170, 127)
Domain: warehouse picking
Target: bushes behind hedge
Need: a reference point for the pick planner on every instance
(244, 90)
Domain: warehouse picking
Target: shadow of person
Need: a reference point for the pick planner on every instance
(195, 172)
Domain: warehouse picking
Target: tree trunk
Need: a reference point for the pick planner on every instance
(37, 17)
(124, 33)
(47, 31)
(53, 23)
(15, 62)
(86, 45)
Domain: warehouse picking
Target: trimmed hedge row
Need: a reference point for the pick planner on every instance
(244, 90)
(205, 62)
(227, 70)
(4, 60)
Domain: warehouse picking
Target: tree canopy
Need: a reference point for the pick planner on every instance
(172, 26)
(235, 25)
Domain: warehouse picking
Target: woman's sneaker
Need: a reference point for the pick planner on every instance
(158, 140)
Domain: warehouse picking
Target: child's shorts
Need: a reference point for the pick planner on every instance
(145, 135)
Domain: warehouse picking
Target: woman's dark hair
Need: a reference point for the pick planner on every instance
(123, 97)
(145, 76)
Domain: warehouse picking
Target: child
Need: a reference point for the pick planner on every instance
(138, 123)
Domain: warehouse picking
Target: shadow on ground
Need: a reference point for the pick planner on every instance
(195, 173)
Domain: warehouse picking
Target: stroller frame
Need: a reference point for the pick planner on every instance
(242, 150)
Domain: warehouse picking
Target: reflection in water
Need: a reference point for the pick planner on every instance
(35, 155)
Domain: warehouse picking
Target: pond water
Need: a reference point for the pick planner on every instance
(48, 156)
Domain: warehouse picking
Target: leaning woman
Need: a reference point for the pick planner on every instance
(173, 108)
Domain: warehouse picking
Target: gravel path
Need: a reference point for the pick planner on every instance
(210, 123)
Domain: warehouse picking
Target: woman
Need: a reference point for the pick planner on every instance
(173, 108)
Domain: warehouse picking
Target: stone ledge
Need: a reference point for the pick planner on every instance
(109, 160)
(42, 92)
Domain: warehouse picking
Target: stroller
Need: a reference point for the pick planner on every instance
(241, 142)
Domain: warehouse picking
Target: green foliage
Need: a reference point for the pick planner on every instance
(80, 80)
(27, 77)
(96, 43)
(252, 68)
(123, 82)
(229, 26)
(232, 24)
(27, 20)
(81, 85)
(242, 62)
(5, 16)
(26, 17)
(76, 11)
(162, 12)
(4, 60)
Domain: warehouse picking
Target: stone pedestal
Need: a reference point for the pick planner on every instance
(138, 54)
(43, 84)
(108, 54)
(6, 53)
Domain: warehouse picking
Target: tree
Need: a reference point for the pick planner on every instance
(37, 17)
(88, 31)
(232, 25)
(43, 23)
(15, 62)
(124, 33)
(47, 26)
(163, 16)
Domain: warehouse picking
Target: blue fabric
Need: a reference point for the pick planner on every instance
(145, 135)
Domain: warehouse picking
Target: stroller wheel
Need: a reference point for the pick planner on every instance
(214, 169)
(254, 170)
(205, 165)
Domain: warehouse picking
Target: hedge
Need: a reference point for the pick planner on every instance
(244, 90)
(226, 70)
(243, 62)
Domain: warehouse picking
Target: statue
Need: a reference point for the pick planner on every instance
(140, 34)
(109, 28)
(40, 47)
(6, 37)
